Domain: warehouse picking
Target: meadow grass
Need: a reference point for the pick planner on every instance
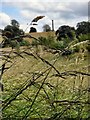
(42, 98)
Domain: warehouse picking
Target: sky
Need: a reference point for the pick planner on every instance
(63, 12)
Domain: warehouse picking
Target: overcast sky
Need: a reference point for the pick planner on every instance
(62, 12)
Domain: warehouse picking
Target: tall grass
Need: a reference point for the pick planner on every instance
(34, 88)
(45, 86)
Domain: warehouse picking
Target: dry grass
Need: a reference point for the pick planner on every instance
(40, 34)
(74, 62)
(28, 68)
(25, 69)
(36, 35)
(1, 38)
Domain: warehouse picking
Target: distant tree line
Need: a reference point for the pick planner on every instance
(65, 31)
(13, 30)
(70, 32)
(46, 28)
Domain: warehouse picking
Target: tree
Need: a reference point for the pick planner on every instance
(32, 29)
(64, 32)
(11, 31)
(15, 23)
(83, 28)
(46, 28)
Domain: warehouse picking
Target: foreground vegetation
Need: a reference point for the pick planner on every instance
(45, 85)
(47, 79)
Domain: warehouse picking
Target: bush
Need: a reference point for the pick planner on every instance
(50, 42)
(58, 45)
(44, 41)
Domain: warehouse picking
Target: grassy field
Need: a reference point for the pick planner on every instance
(44, 85)
(39, 34)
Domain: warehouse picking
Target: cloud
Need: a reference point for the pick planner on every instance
(46, 1)
(61, 12)
(25, 14)
(5, 19)
(57, 9)
(79, 9)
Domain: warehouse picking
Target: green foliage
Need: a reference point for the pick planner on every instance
(83, 28)
(58, 45)
(76, 45)
(76, 48)
(64, 32)
(15, 23)
(75, 41)
(12, 31)
(50, 42)
(34, 88)
(24, 43)
(83, 37)
(15, 43)
(46, 28)
(47, 95)
(44, 41)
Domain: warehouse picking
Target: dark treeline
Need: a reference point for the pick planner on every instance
(63, 32)
(67, 31)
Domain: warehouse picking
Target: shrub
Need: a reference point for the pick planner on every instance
(44, 41)
(50, 42)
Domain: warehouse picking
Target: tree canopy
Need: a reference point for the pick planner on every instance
(83, 28)
(46, 28)
(15, 23)
(32, 29)
(11, 31)
(64, 32)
